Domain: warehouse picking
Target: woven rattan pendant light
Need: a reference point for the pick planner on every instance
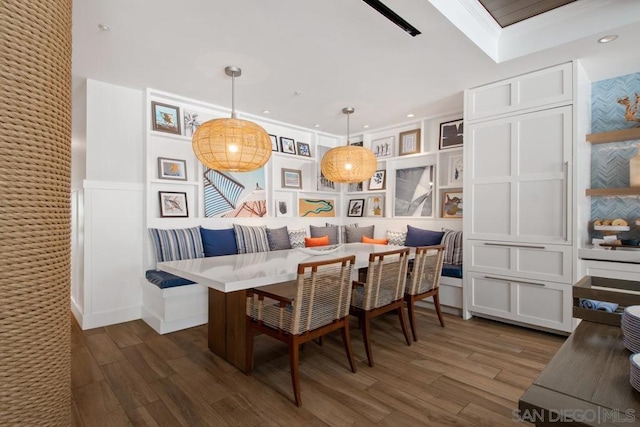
(233, 144)
(348, 164)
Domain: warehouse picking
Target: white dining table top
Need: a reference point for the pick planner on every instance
(231, 273)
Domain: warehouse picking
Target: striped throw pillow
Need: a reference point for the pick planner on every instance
(177, 243)
(342, 233)
(251, 239)
(452, 240)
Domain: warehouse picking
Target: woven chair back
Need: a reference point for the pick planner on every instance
(386, 279)
(323, 294)
(427, 268)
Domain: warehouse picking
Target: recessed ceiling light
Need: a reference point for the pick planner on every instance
(103, 27)
(266, 111)
(365, 126)
(316, 125)
(410, 115)
(607, 39)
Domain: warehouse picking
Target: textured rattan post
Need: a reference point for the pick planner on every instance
(35, 167)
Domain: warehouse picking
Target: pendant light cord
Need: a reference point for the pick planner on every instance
(233, 96)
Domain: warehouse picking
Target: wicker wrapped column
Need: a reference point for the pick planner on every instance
(35, 167)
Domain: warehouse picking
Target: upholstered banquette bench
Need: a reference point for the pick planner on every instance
(171, 303)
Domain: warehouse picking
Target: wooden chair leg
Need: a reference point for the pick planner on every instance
(346, 339)
(412, 317)
(403, 323)
(321, 340)
(294, 357)
(436, 303)
(365, 338)
(248, 361)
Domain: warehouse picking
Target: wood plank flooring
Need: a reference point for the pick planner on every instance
(470, 373)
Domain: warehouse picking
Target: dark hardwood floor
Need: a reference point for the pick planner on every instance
(469, 373)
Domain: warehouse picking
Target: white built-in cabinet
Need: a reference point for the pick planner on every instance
(518, 199)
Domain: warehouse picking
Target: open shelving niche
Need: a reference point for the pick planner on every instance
(161, 144)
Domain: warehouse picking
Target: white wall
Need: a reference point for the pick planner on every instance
(107, 214)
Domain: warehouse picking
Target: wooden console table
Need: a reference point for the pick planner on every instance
(586, 383)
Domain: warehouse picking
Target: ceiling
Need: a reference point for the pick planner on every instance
(305, 60)
(508, 12)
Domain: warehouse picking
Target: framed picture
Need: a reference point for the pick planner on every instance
(414, 191)
(356, 207)
(165, 118)
(274, 142)
(291, 178)
(173, 204)
(378, 180)
(451, 134)
(383, 147)
(409, 142)
(191, 122)
(283, 208)
(315, 207)
(287, 145)
(455, 170)
(172, 169)
(375, 206)
(451, 206)
(355, 187)
(304, 149)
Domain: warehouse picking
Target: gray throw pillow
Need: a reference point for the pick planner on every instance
(278, 239)
(332, 232)
(342, 234)
(354, 235)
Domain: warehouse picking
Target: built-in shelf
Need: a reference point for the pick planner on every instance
(614, 136)
(625, 191)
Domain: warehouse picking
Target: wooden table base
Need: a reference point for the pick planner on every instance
(227, 326)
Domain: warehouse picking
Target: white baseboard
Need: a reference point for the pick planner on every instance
(97, 320)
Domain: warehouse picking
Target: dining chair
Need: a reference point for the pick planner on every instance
(424, 281)
(382, 292)
(296, 312)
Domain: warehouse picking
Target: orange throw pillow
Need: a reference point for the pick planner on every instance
(366, 239)
(316, 241)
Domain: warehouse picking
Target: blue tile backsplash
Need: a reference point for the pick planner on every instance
(610, 161)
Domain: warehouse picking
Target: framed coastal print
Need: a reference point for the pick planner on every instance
(409, 142)
(173, 204)
(382, 147)
(274, 142)
(451, 134)
(455, 170)
(304, 149)
(375, 206)
(356, 207)
(451, 206)
(316, 207)
(192, 122)
(287, 145)
(378, 180)
(165, 117)
(414, 191)
(291, 178)
(172, 169)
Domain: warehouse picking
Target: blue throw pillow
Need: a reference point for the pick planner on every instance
(219, 242)
(419, 237)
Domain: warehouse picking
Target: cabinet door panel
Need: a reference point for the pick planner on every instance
(490, 144)
(490, 296)
(547, 305)
(526, 261)
(542, 140)
(541, 210)
(491, 205)
(545, 86)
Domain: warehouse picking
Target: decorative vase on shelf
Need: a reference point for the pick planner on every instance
(634, 170)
